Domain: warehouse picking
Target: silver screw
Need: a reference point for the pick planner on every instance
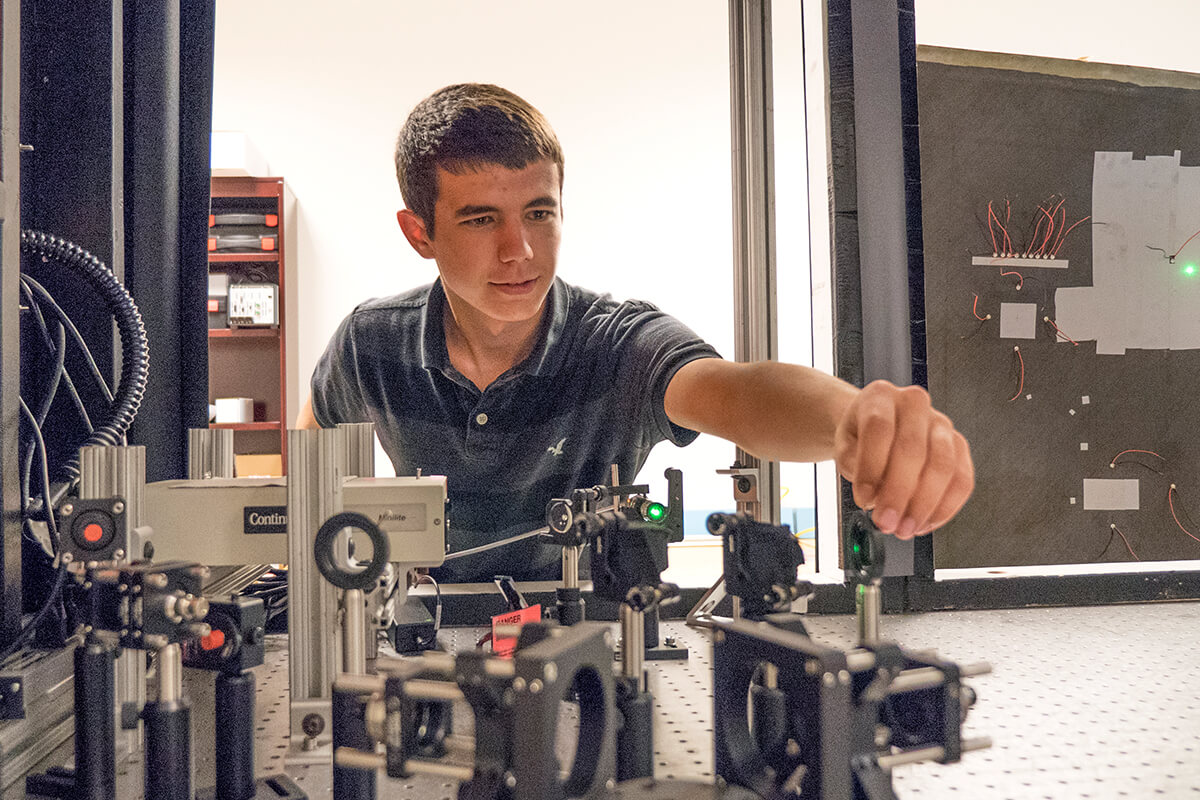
(550, 673)
(535, 686)
(518, 684)
(510, 780)
(67, 509)
(118, 554)
(118, 507)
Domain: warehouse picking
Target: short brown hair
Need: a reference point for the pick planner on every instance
(463, 127)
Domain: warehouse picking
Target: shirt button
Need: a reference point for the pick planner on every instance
(481, 419)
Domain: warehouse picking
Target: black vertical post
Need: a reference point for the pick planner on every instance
(235, 736)
(168, 762)
(95, 731)
(152, 219)
(350, 730)
(197, 27)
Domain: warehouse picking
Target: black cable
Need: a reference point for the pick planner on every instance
(135, 355)
(44, 408)
(56, 591)
(64, 319)
(28, 631)
(79, 406)
(47, 504)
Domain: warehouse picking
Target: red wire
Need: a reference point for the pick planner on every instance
(975, 311)
(1171, 502)
(1123, 452)
(991, 216)
(1021, 386)
(1007, 220)
(1064, 236)
(1126, 541)
(1037, 227)
(1059, 331)
(1004, 231)
(1059, 226)
(1049, 228)
(1185, 244)
(1020, 278)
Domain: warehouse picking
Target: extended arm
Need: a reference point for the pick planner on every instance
(904, 458)
(306, 420)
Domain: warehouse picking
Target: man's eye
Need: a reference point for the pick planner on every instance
(541, 214)
(477, 222)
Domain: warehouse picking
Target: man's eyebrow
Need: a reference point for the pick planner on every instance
(472, 211)
(545, 201)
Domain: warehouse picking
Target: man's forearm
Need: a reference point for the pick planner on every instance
(306, 420)
(778, 412)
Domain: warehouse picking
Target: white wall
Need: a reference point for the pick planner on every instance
(1152, 33)
(638, 93)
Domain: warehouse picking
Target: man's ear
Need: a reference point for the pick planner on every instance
(414, 230)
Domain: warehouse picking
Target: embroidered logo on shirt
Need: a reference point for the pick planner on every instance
(556, 450)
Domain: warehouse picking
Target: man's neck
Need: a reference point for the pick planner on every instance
(484, 349)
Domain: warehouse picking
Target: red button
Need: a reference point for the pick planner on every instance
(93, 533)
(214, 641)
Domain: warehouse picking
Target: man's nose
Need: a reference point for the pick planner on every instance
(514, 242)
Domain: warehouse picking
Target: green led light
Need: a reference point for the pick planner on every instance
(655, 512)
(1189, 269)
(857, 548)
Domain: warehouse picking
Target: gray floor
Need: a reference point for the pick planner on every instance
(1082, 703)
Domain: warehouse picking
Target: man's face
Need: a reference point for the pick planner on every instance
(496, 243)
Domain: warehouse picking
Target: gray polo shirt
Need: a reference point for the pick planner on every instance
(589, 395)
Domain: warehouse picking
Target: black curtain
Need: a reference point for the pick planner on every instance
(168, 119)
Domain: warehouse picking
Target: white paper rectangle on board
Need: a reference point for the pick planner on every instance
(1018, 320)
(1110, 494)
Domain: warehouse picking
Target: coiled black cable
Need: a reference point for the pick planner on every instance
(135, 349)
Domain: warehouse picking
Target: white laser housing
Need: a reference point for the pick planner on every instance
(234, 521)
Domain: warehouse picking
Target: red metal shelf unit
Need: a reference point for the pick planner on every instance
(251, 361)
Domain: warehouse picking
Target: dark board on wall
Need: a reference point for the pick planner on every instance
(1021, 132)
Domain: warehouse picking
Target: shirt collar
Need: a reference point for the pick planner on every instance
(545, 357)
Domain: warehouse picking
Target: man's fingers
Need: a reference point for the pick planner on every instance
(937, 474)
(904, 462)
(959, 489)
(873, 424)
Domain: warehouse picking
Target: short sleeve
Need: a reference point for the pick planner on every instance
(336, 389)
(655, 347)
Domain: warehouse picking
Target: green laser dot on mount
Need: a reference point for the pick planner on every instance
(655, 512)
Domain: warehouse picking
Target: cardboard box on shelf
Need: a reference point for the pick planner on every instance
(269, 465)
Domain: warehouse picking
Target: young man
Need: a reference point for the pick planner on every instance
(520, 388)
